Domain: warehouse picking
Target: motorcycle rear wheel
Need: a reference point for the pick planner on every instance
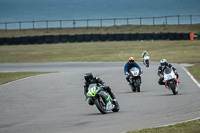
(147, 63)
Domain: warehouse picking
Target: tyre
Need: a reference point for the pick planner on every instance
(133, 88)
(172, 85)
(147, 63)
(138, 85)
(101, 106)
(116, 108)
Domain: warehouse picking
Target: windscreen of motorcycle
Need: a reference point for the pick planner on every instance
(146, 57)
(169, 74)
(92, 89)
(134, 71)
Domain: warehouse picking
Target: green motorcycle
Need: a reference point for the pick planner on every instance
(102, 99)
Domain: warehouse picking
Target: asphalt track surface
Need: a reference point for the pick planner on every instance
(54, 103)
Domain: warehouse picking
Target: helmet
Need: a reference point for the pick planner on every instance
(145, 52)
(131, 60)
(88, 77)
(163, 62)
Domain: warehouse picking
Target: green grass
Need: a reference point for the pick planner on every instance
(104, 30)
(195, 71)
(188, 127)
(6, 77)
(118, 51)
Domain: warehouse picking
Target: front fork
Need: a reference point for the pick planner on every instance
(176, 81)
(133, 80)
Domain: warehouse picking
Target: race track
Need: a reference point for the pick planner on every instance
(54, 103)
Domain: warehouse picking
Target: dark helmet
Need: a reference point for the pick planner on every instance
(88, 77)
(163, 62)
(131, 60)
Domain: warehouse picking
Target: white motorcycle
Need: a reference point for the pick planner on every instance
(135, 79)
(146, 60)
(171, 80)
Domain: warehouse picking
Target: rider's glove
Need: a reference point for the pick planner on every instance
(127, 74)
(141, 71)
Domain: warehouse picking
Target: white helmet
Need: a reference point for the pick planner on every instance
(163, 62)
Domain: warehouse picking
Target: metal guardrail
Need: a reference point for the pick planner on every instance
(162, 20)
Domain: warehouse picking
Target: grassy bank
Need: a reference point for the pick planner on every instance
(188, 127)
(103, 30)
(6, 77)
(195, 71)
(173, 51)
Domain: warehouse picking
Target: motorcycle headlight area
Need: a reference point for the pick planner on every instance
(91, 91)
(135, 73)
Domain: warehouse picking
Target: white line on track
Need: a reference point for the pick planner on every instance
(191, 76)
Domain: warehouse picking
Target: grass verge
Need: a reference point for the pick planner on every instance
(186, 127)
(6, 77)
(195, 71)
(117, 51)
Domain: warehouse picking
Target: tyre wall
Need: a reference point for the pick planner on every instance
(48, 39)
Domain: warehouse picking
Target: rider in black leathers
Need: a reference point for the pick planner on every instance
(89, 79)
(162, 67)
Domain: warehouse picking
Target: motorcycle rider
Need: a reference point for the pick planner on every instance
(90, 79)
(143, 54)
(130, 64)
(162, 67)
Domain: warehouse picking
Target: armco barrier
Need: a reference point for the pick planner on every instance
(134, 36)
(17, 40)
(111, 37)
(126, 37)
(96, 37)
(104, 37)
(149, 36)
(25, 40)
(172, 36)
(156, 36)
(32, 40)
(118, 37)
(40, 39)
(164, 36)
(72, 38)
(186, 36)
(64, 38)
(141, 36)
(48, 39)
(88, 37)
(2, 41)
(9, 41)
(56, 39)
(80, 38)
(179, 36)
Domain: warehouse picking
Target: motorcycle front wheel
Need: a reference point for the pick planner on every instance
(138, 85)
(172, 85)
(116, 108)
(101, 106)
